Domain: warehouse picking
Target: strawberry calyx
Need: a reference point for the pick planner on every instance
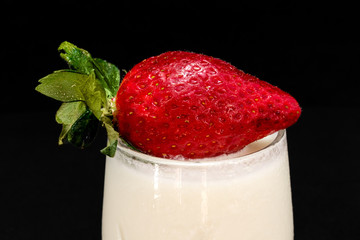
(87, 92)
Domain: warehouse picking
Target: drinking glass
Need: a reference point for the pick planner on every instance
(223, 198)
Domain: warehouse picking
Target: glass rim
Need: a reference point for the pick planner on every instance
(199, 162)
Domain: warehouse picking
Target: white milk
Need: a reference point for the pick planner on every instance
(226, 198)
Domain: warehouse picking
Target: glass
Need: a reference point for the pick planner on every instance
(224, 198)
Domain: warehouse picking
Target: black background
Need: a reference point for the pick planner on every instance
(311, 51)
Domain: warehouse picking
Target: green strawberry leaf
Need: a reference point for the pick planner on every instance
(79, 59)
(67, 115)
(63, 86)
(94, 95)
(113, 137)
(87, 90)
(68, 86)
(108, 73)
(83, 131)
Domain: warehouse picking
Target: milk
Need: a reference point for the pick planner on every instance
(243, 196)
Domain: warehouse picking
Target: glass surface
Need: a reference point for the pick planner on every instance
(224, 198)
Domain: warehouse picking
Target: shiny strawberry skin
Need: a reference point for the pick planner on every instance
(196, 106)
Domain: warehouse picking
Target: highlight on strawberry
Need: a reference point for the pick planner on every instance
(175, 104)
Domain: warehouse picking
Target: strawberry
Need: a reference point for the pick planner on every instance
(196, 106)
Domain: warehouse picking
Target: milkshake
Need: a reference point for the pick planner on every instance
(244, 196)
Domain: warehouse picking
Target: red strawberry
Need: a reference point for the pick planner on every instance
(183, 103)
